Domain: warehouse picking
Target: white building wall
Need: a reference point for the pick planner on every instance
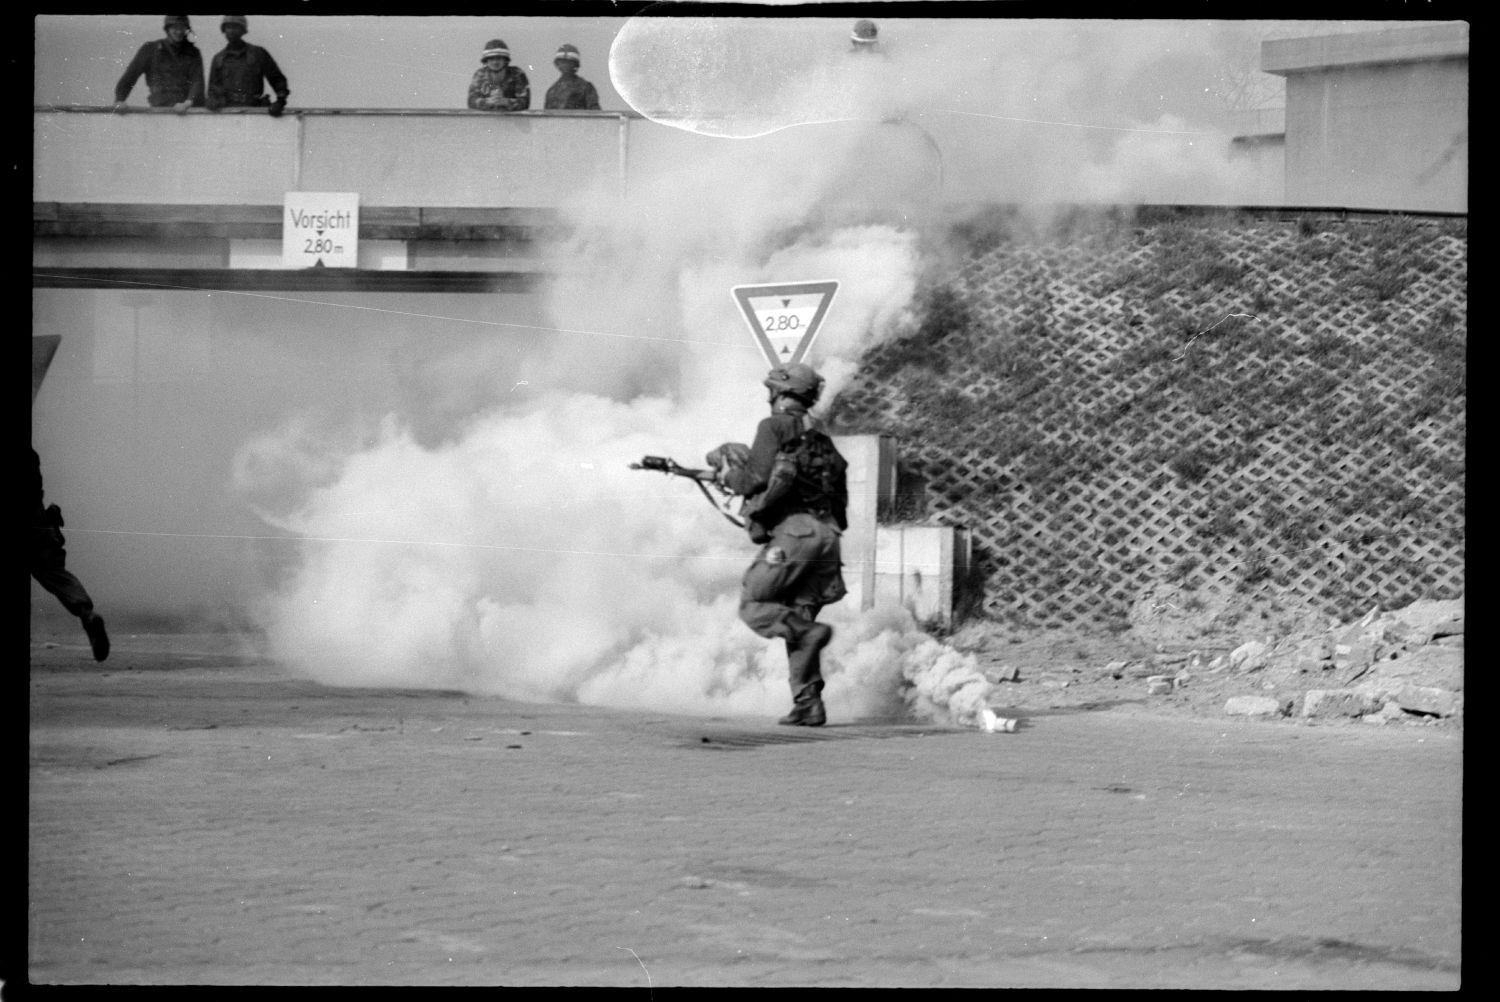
(1377, 120)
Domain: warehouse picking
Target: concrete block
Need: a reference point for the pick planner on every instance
(1426, 699)
(1451, 628)
(871, 481)
(1354, 655)
(1003, 673)
(921, 567)
(1337, 703)
(1426, 619)
(1252, 706)
(1435, 665)
(1248, 656)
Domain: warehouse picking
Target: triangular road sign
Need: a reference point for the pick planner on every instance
(785, 318)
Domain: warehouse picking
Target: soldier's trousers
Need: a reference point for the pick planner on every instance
(796, 573)
(49, 565)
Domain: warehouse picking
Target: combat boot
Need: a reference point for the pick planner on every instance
(810, 714)
(807, 707)
(93, 625)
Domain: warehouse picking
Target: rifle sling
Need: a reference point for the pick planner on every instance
(738, 523)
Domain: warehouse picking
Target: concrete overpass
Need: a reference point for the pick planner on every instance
(448, 200)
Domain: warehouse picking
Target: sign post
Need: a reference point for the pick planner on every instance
(785, 318)
(320, 229)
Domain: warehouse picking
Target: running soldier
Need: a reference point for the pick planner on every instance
(794, 485)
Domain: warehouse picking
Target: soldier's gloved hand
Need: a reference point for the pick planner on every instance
(730, 455)
(277, 107)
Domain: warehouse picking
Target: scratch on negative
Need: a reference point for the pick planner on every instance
(1183, 354)
(649, 986)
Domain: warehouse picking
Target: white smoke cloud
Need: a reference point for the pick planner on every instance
(518, 555)
(1157, 164)
(1047, 111)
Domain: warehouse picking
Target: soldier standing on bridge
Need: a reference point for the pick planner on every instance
(497, 85)
(571, 90)
(173, 68)
(241, 71)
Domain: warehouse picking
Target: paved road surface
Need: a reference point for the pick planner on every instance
(197, 817)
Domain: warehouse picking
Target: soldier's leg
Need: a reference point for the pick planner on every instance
(769, 604)
(49, 568)
(772, 582)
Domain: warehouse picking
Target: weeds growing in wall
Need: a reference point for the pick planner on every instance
(1272, 408)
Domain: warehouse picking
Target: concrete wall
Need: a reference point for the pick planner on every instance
(1377, 120)
(435, 159)
(1260, 140)
(922, 568)
(431, 159)
(464, 159)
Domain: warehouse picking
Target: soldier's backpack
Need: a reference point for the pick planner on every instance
(808, 475)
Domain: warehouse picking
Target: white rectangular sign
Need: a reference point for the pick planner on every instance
(320, 229)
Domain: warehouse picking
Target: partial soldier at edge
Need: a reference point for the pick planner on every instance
(48, 560)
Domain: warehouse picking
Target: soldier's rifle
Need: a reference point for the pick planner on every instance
(703, 478)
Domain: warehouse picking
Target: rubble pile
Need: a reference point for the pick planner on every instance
(1386, 666)
(1404, 665)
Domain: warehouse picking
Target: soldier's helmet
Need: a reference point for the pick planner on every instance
(865, 32)
(566, 51)
(238, 19)
(172, 19)
(798, 379)
(495, 47)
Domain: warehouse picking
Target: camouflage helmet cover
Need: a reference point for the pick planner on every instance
(729, 454)
(798, 379)
(238, 19)
(172, 19)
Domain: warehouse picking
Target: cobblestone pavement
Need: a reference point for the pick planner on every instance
(199, 818)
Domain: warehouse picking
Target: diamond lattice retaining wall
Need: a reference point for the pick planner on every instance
(1269, 406)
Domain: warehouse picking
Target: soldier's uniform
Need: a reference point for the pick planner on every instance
(571, 90)
(799, 569)
(240, 73)
(173, 71)
(573, 93)
(505, 89)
